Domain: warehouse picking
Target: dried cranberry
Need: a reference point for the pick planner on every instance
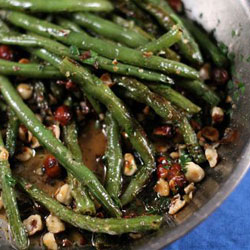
(51, 167)
(63, 115)
(174, 171)
(70, 85)
(220, 76)
(6, 53)
(166, 130)
(177, 182)
(162, 171)
(162, 160)
(85, 55)
(176, 5)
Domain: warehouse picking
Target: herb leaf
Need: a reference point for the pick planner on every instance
(74, 50)
(183, 160)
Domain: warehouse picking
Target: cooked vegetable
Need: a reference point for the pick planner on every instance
(57, 5)
(167, 19)
(114, 158)
(9, 200)
(84, 204)
(163, 108)
(83, 41)
(86, 57)
(108, 226)
(205, 43)
(46, 138)
(12, 132)
(30, 70)
(164, 42)
(199, 89)
(175, 98)
(109, 29)
(124, 91)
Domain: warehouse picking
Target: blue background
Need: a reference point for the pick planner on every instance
(227, 228)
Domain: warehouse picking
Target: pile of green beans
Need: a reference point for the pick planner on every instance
(142, 47)
(9, 199)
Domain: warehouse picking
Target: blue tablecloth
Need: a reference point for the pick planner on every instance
(227, 228)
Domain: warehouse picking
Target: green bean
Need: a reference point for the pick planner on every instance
(167, 19)
(164, 42)
(114, 158)
(12, 132)
(94, 60)
(123, 54)
(30, 70)
(41, 98)
(9, 200)
(57, 5)
(109, 29)
(67, 24)
(53, 145)
(132, 26)
(140, 17)
(164, 109)
(172, 55)
(94, 87)
(84, 204)
(205, 43)
(97, 225)
(175, 98)
(135, 132)
(4, 27)
(169, 53)
(201, 90)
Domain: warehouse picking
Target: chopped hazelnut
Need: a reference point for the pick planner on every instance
(212, 156)
(176, 204)
(194, 173)
(49, 241)
(63, 194)
(129, 165)
(162, 187)
(54, 224)
(33, 224)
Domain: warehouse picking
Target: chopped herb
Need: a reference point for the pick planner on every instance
(248, 59)
(155, 204)
(92, 59)
(241, 58)
(223, 48)
(201, 15)
(233, 33)
(74, 50)
(183, 160)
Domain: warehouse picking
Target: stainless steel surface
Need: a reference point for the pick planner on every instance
(225, 16)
